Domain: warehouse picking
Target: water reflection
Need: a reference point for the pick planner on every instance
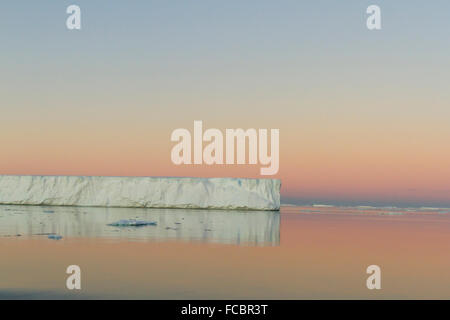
(220, 226)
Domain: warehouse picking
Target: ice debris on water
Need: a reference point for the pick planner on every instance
(55, 237)
(392, 213)
(132, 223)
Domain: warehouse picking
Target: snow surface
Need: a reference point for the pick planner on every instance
(141, 192)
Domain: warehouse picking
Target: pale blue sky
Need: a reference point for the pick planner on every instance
(310, 68)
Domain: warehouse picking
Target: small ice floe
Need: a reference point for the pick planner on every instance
(288, 205)
(392, 213)
(132, 223)
(54, 237)
(308, 211)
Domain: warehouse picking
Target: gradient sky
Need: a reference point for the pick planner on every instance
(363, 115)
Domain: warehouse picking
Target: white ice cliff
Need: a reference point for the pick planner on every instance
(141, 192)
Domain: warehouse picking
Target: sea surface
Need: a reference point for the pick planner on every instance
(301, 252)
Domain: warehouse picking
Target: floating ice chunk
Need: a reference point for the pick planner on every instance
(392, 213)
(132, 223)
(55, 237)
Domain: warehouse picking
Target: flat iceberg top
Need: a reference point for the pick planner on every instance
(141, 192)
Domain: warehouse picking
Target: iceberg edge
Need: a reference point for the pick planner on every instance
(141, 192)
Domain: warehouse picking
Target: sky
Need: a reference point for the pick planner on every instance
(363, 115)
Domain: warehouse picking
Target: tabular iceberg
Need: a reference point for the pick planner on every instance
(141, 192)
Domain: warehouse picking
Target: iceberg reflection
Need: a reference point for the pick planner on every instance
(219, 226)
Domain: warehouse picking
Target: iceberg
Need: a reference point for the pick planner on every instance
(141, 192)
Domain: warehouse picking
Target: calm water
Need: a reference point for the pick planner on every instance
(298, 253)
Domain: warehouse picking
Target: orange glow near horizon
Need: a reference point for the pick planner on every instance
(357, 164)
